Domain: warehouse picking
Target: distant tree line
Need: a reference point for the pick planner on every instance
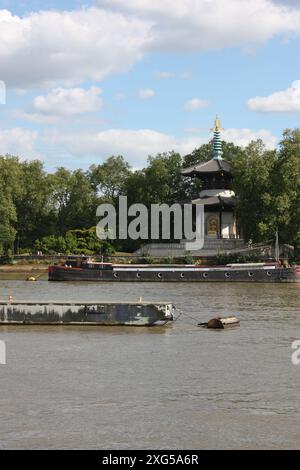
(57, 211)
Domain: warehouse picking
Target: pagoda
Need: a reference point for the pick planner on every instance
(221, 231)
(216, 193)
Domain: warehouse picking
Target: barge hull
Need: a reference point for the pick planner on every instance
(85, 313)
(267, 275)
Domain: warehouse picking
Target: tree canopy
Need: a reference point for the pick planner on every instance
(267, 184)
(40, 210)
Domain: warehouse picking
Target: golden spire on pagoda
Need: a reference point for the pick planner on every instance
(217, 125)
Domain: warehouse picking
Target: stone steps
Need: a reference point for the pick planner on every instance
(211, 248)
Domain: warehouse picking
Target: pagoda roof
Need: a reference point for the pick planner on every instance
(215, 165)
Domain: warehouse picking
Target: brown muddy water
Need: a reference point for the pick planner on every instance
(176, 387)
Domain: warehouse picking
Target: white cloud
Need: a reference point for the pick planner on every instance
(146, 93)
(64, 48)
(134, 145)
(36, 118)
(194, 104)
(19, 142)
(244, 136)
(281, 101)
(50, 48)
(67, 102)
(61, 104)
(137, 145)
(196, 25)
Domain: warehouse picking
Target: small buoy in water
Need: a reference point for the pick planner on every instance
(221, 323)
(31, 278)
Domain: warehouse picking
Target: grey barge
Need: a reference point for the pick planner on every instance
(86, 313)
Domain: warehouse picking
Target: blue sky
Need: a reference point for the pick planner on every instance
(85, 80)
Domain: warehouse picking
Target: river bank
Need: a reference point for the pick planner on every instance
(23, 268)
(22, 271)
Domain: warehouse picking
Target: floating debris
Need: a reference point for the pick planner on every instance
(219, 323)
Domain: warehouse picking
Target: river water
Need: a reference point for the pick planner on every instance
(176, 387)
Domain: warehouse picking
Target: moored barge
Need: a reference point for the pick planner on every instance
(95, 313)
(88, 270)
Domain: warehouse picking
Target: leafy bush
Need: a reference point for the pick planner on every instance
(226, 258)
(188, 259)
(83, 241)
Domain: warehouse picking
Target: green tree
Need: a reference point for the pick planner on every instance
(8, 217)
(73, 199)
(61, 184)
(253, 183)
(109, 179)
(163, 180)
(268, 187)
(33, 203)
(80, 210)
(9, 189)
(286, 182)
(135, 186)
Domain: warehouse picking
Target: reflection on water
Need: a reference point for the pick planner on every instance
(175, 387)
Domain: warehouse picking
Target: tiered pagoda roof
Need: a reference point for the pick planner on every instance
(216, 164)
